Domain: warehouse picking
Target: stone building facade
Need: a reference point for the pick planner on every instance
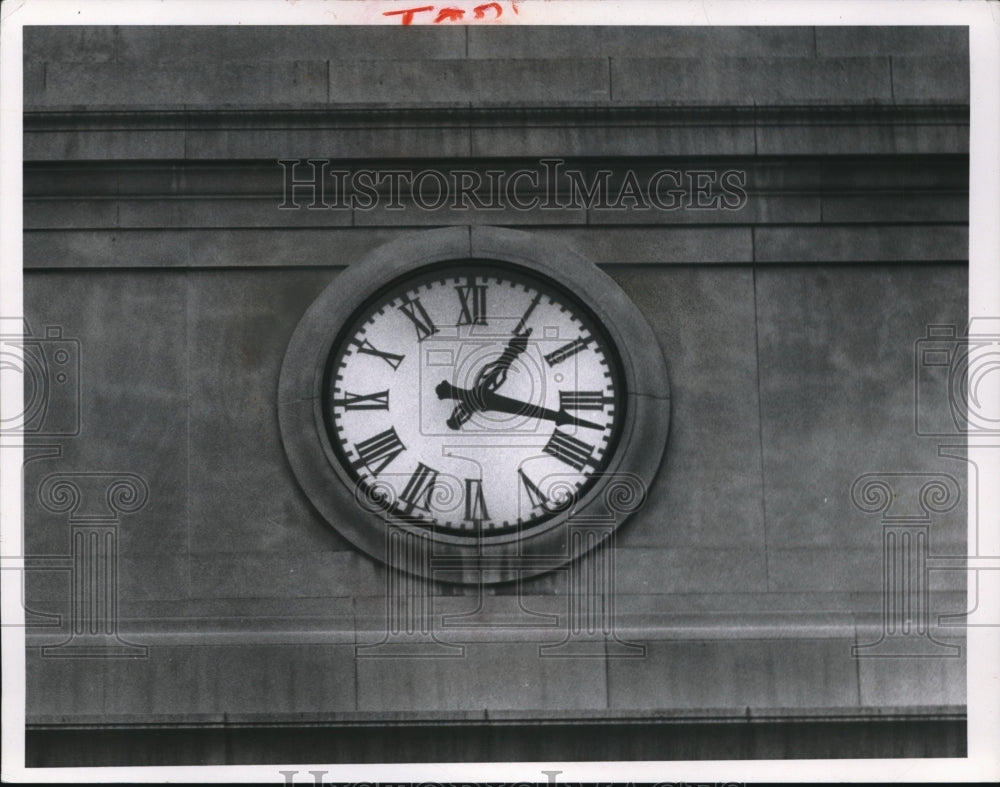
(163, 249)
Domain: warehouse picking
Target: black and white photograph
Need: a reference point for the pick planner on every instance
(500, 391)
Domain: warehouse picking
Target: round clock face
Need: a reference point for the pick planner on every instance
(474, 399)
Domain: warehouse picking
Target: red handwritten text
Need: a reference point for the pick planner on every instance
(486, 11)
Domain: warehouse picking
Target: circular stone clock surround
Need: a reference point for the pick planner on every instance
(616, 491)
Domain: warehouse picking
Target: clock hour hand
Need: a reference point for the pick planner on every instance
(487, 400)
(493, 374)
(490, 377)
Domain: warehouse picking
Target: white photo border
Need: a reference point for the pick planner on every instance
(983, 20)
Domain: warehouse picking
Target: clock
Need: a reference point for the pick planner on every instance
(479, 390)
(476, 398)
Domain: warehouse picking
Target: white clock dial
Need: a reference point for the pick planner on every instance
(474, 399)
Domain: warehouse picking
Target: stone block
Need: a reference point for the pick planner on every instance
(250, 573)
(826, 568)
(69, 43)
(930, 682)
(752, 81)
(468, 82)
(134, 84)
(413, 215)
(76, 214)
(724, 616)
(844, 244)
(896, 208)
(70, 181)
(925, 41)
(322, 247)
(185, 621)
(326, 143)
(103, 145)
(223, 213)
(186, 681)
(665, 571)
(938, 174)
(256, 44)
(917, 137)
(655, 245)
(918, 80)
(681, 139)
(155, 577)
(731, 676)
(759, 209)
(557, 41)
(250, 248)
(495, 676)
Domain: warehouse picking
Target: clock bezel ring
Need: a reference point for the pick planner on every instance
(636, 456)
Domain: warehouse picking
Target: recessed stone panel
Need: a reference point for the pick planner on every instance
(705, 495)
(495, 675)
(839, 362)
(735, 676)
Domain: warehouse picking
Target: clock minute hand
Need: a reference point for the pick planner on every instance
(504, 404)
(487, 400)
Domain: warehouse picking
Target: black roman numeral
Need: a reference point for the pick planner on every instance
(372, 401)
(378, 451)
(390, 358)
(535, 495)
(475, 503)
(472, 298)
(417, 493)
(419, 317)
(582, 400)
(574, 452)
(566, 351)
(519, 329)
